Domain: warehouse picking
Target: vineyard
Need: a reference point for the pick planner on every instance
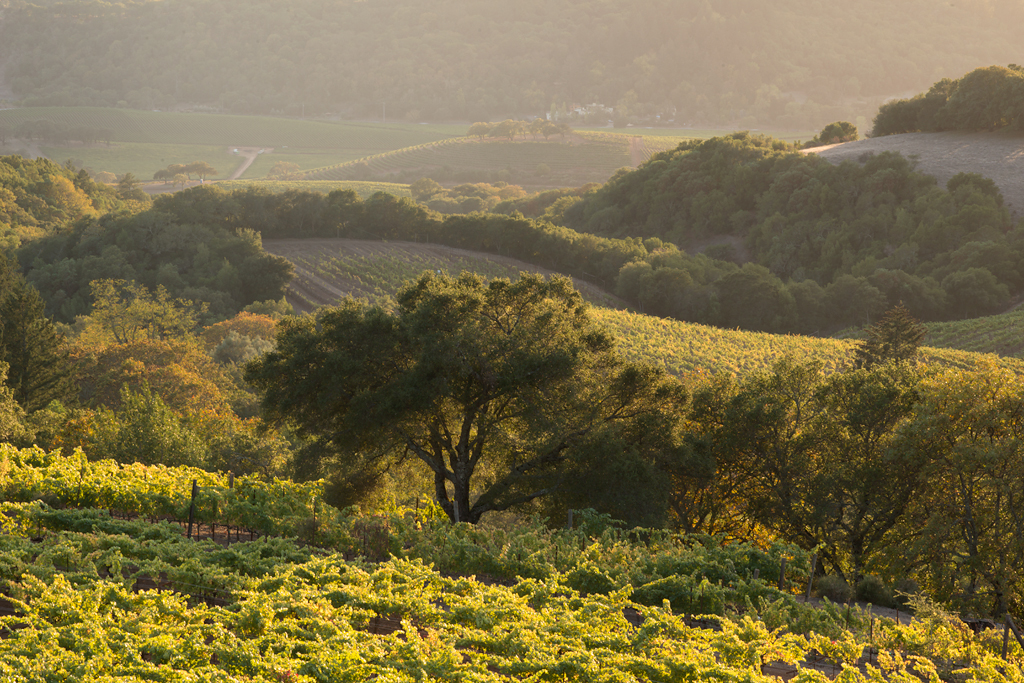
(406, 596)
(373, 271)
(682, 347)
(681, 134)
(1000, 334)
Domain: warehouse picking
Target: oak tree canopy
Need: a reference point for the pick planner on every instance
(501, 389)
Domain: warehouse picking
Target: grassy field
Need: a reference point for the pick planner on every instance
(142, 142)
(701, 133)
(129, 125)
(581, 158)
(143, 158)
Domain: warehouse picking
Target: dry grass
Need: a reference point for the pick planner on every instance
(999, 156)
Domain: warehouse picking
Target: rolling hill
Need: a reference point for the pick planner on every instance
(142, 142)
(998, 155)
(790, 63)
(328, 269)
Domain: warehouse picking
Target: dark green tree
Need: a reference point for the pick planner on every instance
(500, 389)
(813, 457)
(834, 133)
(12, 417)
(127, 183)
(39, 369)
(145, 429)
(895, 337)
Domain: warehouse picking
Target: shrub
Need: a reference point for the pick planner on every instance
(872, 589)
(833, 587)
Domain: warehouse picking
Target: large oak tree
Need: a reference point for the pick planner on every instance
(506, 391)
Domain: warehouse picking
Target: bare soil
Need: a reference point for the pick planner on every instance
(249, 155)
(636, 151)
(999, 156)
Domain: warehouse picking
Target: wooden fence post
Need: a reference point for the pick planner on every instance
(810, 578)
(568, 523)
(192, 509)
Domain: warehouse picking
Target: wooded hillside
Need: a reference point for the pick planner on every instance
(792, 63)
(820, 245)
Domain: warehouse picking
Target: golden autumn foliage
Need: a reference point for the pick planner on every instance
(66, 199)
(255, 326)
(180, 372)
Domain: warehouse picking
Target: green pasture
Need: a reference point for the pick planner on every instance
(361, 188)
(142, 142)
(143, 159)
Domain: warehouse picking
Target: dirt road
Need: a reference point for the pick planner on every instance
(249, 155)
(636, 151)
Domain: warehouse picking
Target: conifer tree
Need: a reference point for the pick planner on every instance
(39, 370)
(896, 336)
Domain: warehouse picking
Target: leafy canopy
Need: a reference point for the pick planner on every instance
(497, 388)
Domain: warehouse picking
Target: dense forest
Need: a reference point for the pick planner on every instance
(820, 245)
(790, 64)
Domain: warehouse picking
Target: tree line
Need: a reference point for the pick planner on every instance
(821, 246)
(826, 247)
(55, 133)
(512, 128)
(988, 98)
(179, 174)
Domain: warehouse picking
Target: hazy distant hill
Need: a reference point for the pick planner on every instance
(796, 63)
